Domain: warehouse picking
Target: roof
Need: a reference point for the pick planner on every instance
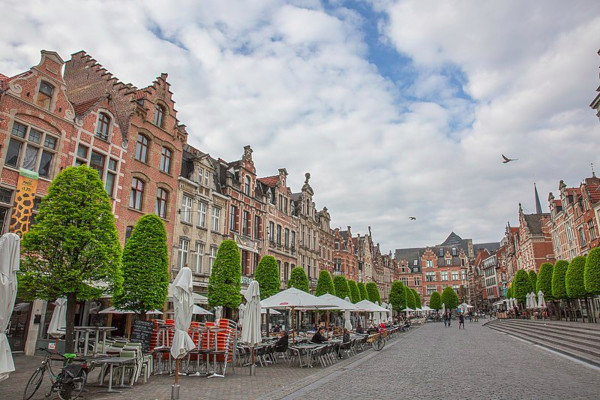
(491, 247)
(83, 107)
(534, 223)
(452, 240)
(407, 254)
(270, 181)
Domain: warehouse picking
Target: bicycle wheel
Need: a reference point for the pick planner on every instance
(34, 383)
(72, 389)
(378, 344)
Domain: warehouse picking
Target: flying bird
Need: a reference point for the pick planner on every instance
(507, 160)
(412, 218)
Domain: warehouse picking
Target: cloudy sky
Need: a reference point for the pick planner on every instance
(396, 108)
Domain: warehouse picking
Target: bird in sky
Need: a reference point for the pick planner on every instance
(507, 160)
(412, 218)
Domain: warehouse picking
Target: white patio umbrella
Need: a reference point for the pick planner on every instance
(241, 309)
(197, 310)
(541, 301)
(347, 321)
(272, 311)
(443, 308)
(183, 302)
(532, 301)
(528, 301)
(198, 298)
(218, 312)
(112, 310)
(58, 322)
(9, 265)
(251, 332)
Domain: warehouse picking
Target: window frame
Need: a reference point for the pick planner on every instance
(142, 147)
(103, 125)
(161, 202)
(47, 97)
(159, 115)
(182, 252)
(24, 141)
(202, 214)
(186, 209)
(165, 160)
(136, 194)
(215, 215)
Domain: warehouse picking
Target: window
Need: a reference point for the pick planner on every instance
(5, 204)
(454, 275)
(202, 214)
(165, 160)
(141, 148)
(111, 176)
(159, 115)
(256, 227)
(233, 218)
(198, 257)
(337, 264)
(444, 275)
(293, 240)
(45, 95)
(429, 276)
(463, 275)
(592, 229)
(448, 261)
(287, 238)
(279, 234)
(97, 162)
(454, 251)
(417, 281)
(247, 185)
(137, 192)
(31, 149)
(82, 155)
(582, 241)
(429, 263)
(206, 178)
(430, 290)
(182, 252)
(103, 126)
(186, 209)
(211, 258)
(246, 223)
(162, 196)
(441, 252)
(128, 231)
(271, 232)
(216, 217)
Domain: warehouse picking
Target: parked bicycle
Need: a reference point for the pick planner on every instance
(68, 383)
(378, 340)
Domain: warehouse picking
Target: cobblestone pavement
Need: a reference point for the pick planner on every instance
(446, 363)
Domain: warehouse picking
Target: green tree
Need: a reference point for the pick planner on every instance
(544, 280)
(362, 290)
(341, 287)
(324, 284)
(145, 267)
(574, 278)
(225, 280)
(354, 295)
(417, 298)
(410, 298)
(509, 293)
(559, 289)
(533, 281)
(435, 301)
(373, 292)
(73, 245)
(591, 275)
(397, 296)
(267, 276)
(449, 298)
(521, 286)
(298, 279)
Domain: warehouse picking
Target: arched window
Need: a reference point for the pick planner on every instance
(141, 148)
(45, 95)
(103, 126)
(137, 193)
(162, 197)
(247, 186)
(159, 115)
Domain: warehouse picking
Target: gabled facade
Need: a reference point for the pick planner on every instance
(345, 259)
(326, 241)
(281, 225)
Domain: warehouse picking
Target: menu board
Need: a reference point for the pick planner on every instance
(141, 332)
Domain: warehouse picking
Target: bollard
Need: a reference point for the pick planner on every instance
(175, 392)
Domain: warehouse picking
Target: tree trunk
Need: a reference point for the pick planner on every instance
(69, 334)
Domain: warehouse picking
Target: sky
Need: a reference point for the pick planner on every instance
(396, 108)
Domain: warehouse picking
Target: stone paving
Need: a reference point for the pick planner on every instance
(431, 362)
(446, 363)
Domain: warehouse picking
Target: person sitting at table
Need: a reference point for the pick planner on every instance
(282, 343)
(346, 337)
(276, 329)
(318, 336)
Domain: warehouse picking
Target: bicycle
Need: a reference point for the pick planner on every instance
(68, 383)
(377, 340)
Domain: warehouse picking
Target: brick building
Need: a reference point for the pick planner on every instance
(573, 223)
(345, 258)
(326, 241)
(365, 248)
(281, 225)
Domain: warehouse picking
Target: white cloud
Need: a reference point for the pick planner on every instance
(294, 80)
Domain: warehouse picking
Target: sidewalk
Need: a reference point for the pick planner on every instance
(273, 381)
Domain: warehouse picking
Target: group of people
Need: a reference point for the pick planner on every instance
(448, 320)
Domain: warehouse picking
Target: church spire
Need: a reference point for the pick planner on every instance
(538, 206)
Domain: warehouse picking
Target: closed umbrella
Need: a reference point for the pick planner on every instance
(533, 302)
(241, 310)
(251, 332)
(58, 322)
(218, 312)
(541, 301)
(347, 321)
(528, 301)
(9, 265)
(183, 302)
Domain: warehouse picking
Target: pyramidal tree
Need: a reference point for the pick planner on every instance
(267, 276)
(324, 284)
(341, 287)
(225, 280)
(298, 280)
(373, 293)
(362, 291)
(354, 295)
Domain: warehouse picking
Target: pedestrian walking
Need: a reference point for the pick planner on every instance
(449, 318)
(461, 321)
(445, 321)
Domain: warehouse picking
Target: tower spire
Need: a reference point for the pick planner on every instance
(538, 206)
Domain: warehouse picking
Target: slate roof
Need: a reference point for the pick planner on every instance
(408, 254)
(453, 240)
(534, 223)
(492, 247)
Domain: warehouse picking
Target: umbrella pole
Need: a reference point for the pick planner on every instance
(293, 328)
(253, 365)
(175, 387)
(327, 324)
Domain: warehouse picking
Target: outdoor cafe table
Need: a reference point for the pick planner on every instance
(89, 329)
(306, 349)
(112, 362)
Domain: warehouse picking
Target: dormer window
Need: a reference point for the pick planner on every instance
(159, 114)
(247, 186)
(45, 95)
(103, 126)
(441, 252)
(454, 251)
